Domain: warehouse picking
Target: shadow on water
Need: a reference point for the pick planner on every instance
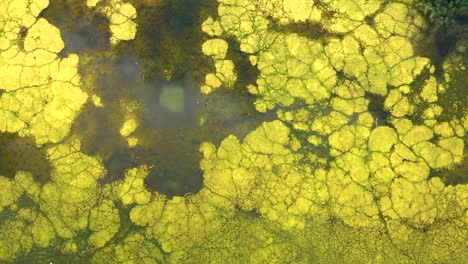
(439, 40)
(17, 153)
(454, 176)
(377, 109)
(161, 72)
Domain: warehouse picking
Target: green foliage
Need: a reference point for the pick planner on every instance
(443, 12)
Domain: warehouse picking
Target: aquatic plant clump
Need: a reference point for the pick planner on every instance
(355, 166)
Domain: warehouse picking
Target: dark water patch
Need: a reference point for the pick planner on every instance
(426, 46)
(169, 38)
(52, 255)
(249, 214)
(231, 112)
(170, 141)
(377, 109)
(160, 73)
(370, 19)
(167, 139)
(445, 43)
(454, 100)
(21, 153)
(23, 32)
(308, 29)
(420, 105)
(247, 73)
(316, 30)
(25, 201)
(82, 29)
(456, 175)
(119, 162)
(98, 130)
(462, 19)
(322, 150)
(353, 119)
(439, 41)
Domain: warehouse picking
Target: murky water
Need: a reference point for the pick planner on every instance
(17, 153)
(165, 53)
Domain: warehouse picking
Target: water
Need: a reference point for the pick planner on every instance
(166, 53)
(19, 153)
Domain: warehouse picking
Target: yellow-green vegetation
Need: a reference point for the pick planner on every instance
(41, 92)
(130, 124)
(217, 49)
(332, 180)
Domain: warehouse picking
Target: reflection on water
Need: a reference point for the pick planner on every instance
(172, 98)
(161, 72)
